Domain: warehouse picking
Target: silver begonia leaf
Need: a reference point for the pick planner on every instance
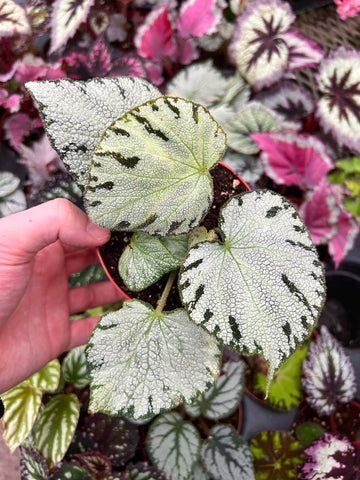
(142, 362)
(76, 113)
(173, 445)
(13, 203)
(148, 258)
(74, 368)
(262, 289)
(225, 455)
(222, 399)
(249, 167)
(8, 183)
(251, 118)
(150, 171)
(328, 374)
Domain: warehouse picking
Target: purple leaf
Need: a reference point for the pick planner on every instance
(331, 457)
(154, 39)
(258, 48)
(288, 99)
(187, 51)
(328, 374)
(99, 58)
(198, 18)
(339, 107)
(303, 51)
(95, 463)
(66, 17)
(293, 159)
(127, 65)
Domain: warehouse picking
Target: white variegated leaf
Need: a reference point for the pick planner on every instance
(328, 374)
(8, 183)
(249, 167)
(226, 455)
(56, 426)
(66, 17)
(13, 203)
(303, 51)
(258, 49)
(199, 473)
(251, 118)
(148, 258)
(173, 445)
(13, 19)
(163, 359)
(262, 289)
(47, 379)
(222, 399)
(150, 171)
(76, 113)
(22, 404)
(74, 368)
(339, 107)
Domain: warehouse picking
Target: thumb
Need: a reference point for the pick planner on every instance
(25, 233)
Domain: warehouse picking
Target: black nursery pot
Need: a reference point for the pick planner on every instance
(341, 312)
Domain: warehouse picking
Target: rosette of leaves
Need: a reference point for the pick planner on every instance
(12, 198)
(339, 107)
(328, 374)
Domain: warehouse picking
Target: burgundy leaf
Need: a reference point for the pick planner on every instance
(99, 58)
(293, 159)
(303, 51)
(95, 463)
(198, 17)
(19, 126)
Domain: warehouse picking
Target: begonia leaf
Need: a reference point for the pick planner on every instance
(266, 262)
(339, 107)
(95, 463)
(32, 464)
(70, 471)
(247, 166)
(74, 368)
(146, 259)
(329, 375)
(249, 119)
(99, 58)
(198, 18)
(56, 426)
(222, 399)
(306, 432)
(142, 471)
(66, 16)
(162, 358)
(13, 19)
(173, 445)
(277, 455)
(303, 51)
(293, 159)
(150, 171)
(9, 183)
(154, 38)
(226, 455)
(258, 48)
(76, 113)
(331, 457)
(47, 379)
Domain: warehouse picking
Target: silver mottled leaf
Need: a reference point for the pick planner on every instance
(249, 167)
(76, 113)
(262, 289)
(74, 368)
(8, 183)
(13, 203)
(173, 445)
(143, 362)
(150, 171)
(328, 374)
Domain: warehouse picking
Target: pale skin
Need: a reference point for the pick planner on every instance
(39, 249)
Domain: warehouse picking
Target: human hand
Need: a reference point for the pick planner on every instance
(39, 249)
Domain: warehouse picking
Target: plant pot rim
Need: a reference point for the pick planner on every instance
(109, 276)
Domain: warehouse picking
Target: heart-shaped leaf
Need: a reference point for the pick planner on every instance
(56, 426)
(150, 171)
(163, 359)
(76, 113)
(222, 399)
(148, 258)
(74, 368)
(226, 456)
(173, 445)
(329, 375)
(262, 289)
(47, 379)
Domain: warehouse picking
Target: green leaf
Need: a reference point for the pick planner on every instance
(32, 465)
(13, 203)
(90, 274)
(8, 183)
(250, 118)
(277, 455)
(22, 404)
(173, 445)
(226, 456)
(148, 258)
(68, 471)
(150, 171)
(76, 113)
(74, 368)
(308, 432)
(143, 362)
(47, 379)
(56, 426)
(286, 390)
(262, 289)
(222, 399)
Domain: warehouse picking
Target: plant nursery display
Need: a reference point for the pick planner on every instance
(231, 190)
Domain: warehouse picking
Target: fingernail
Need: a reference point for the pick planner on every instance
(98, 232)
